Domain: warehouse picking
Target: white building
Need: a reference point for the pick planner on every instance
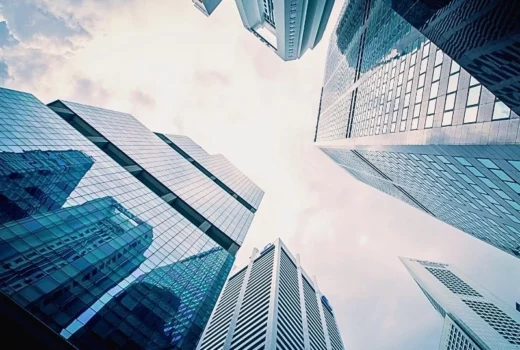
(271, 304)
(288, 27)
(474, 319)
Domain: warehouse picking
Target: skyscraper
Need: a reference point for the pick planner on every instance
(400, 115)
(289, 28)
(474, 319)
(206, 6)
(132, 207)
(272, 304)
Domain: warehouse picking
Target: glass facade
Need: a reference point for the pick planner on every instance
(108, 235)
(400, 115)
(474, 319)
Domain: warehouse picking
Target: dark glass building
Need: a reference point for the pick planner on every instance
(100, 217)
(404, 116)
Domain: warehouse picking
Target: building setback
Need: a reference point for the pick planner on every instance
(272, 304)
(289, 28)
(401, 116)
(109, 230)
(474, 319)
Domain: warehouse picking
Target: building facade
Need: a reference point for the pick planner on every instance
(272, 304)
(206, 6)
(400, 115)
(474, 319)
(288, 27)
(113, 218)
(28, 181)
(173, 304)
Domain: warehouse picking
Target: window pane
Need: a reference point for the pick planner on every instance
(429, 121)
(436, 73)
(515, 163)
(452, 82)
(405, 114)
(424, 64)
(418, 97)
(514, 186)
(501, 111)
(415, 122)
(434, 89)
(411, 71)
(426, 50)
(454, 67)
(446, 118)
(421, 80)
(473, 95)
(416, 111)
(450, 102)
(438, 57)
(462, 161)
(487, 163)
(431, 106)
(470, 116)
(503, 176)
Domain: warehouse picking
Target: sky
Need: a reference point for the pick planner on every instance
(178, 71)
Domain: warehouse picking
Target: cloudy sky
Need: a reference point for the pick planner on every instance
(180, 72)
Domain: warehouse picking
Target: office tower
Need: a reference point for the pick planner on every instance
(134, 207)
(400, 115)
(271, 304)
(206, 6)
(57, 271)
(28, 181)
(178, 300)
(481, 35)
(474, 319)
(289, 28)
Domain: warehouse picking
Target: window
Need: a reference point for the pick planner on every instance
(470, 115)
(488, 163)
(496, 318)
(453, 82)
(500, 111)
(453, 282)
(438, 57)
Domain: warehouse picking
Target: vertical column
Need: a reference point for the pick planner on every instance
(322, 314)
(306, 339)
(236, 312)
(272, 317)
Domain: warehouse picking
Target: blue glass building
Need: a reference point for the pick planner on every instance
(401, 115)
(38, 181)
(117, 213)
(168, 306)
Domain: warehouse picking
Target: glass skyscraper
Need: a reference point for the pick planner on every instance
(272, 304)
(112, 235)
(474, 319)
(401, 115)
